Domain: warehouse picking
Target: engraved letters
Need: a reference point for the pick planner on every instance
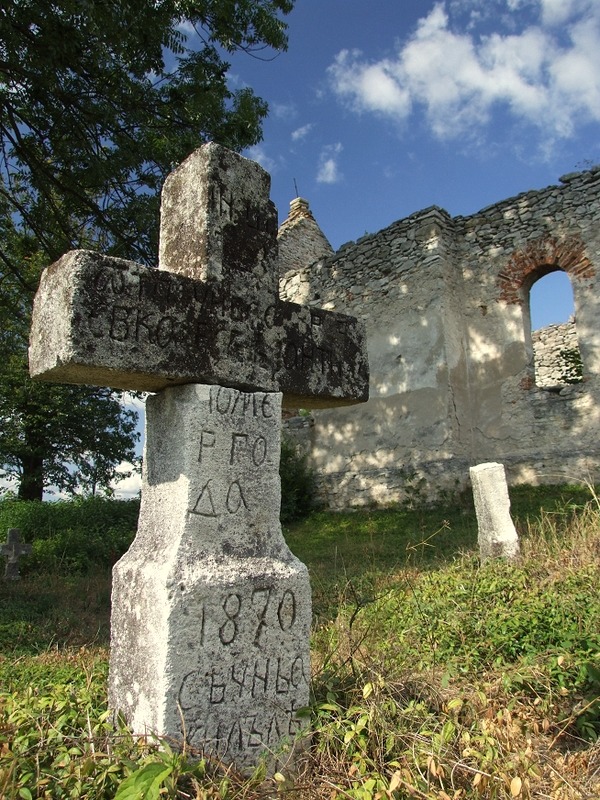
(243, 450)
(240, 670)
(136, 310)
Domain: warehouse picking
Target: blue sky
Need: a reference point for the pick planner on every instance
(380, 109)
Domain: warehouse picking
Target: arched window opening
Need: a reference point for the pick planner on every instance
(556, 354)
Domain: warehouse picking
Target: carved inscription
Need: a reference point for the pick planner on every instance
(240, 670)
(246, 451)
(248, 732)
(243, 680)
(248, 668)
(241, 211)
(231, 401)
(252, 617)
(214, 332)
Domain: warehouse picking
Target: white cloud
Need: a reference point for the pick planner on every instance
(186, 27)
(128, 487)
(368, 87)
(302, 133)
(544, 70)
(329, 171)
(283, 111)
(559, 12)
(259, 154)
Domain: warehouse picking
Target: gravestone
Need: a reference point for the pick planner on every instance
(497, 535)
(13, 548)
(211, 611)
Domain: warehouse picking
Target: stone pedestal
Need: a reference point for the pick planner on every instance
(211, 611)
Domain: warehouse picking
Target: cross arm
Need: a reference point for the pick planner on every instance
(104, 321)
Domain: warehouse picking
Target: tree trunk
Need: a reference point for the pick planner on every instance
(32, 479)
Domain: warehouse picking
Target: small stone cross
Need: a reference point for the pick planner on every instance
(13, 548)
(211, 612)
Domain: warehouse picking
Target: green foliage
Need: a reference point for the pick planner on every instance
(473, 617)
(436, 678)
(297, 483)
(572, 365)
(45, 612)
(58, 740)
(70, 437)
(54, 737)
(98, 103)
(74, 536)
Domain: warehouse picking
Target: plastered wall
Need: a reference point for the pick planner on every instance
(453, 380)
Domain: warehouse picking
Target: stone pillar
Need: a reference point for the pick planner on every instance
(497, 535)
(211, 611)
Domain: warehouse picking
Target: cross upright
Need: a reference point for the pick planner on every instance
(211, 612)
(13, 548)
(210, 314)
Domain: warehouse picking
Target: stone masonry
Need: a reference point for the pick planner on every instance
(453, 374)
(555, 348)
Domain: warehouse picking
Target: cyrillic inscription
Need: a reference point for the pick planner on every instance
(140, 328)
(245, 450)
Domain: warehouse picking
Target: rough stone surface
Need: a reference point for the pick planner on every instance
(210, 314)
(211, 611)
(556, 353)
(497, 535)
(301, 240)
(454, 375)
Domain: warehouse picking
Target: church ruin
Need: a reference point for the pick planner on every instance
(457, 378)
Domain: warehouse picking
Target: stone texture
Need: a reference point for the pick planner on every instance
(556, 350)
(497, 535)
(301, 240)
(455, 378)
(211, 611)
(109, 322)
(210, 314)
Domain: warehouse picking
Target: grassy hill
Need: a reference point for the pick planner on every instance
(433, 676)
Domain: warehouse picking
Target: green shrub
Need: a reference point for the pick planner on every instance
(297, 483)
(76, 535)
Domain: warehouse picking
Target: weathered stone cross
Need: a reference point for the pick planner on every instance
(210, 314)
(13, 548)
(210, 611)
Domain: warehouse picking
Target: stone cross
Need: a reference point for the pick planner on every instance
(497, 535)
(210, 314)
(211, 612)
(13, 548)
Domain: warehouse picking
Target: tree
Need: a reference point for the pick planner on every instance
(98, 103)
(70, 437)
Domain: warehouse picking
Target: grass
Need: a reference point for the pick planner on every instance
(433, 676)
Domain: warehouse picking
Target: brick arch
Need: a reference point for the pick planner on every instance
(540, 257)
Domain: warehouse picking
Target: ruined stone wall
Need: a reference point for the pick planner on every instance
(446, 304)
(556, 355)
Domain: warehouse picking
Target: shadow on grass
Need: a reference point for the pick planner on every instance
(356, 554)
(40, 612)
(352, 557)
